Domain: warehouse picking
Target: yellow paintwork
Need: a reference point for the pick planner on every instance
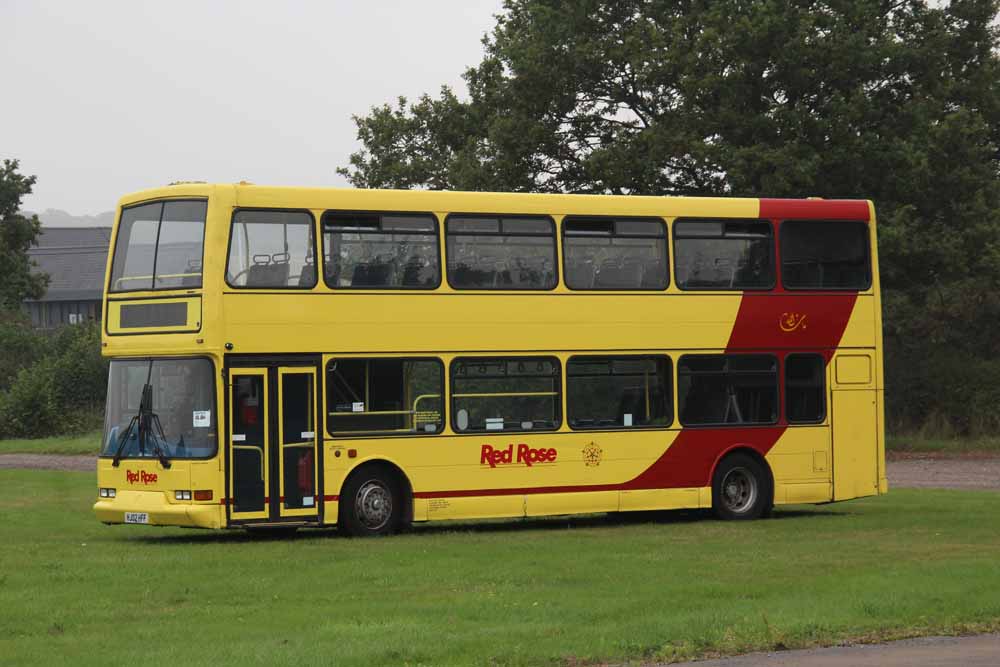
(807, 463)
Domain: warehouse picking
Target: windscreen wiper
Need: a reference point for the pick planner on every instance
(144, 421)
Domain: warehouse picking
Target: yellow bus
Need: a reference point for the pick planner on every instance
(287, 357)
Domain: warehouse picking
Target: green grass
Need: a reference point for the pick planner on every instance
(88, 443)
(543, 592)
(922, 444)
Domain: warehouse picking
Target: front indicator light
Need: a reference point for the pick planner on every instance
(182, 495)
(203, 494)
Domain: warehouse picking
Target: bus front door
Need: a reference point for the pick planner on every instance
(273, 471)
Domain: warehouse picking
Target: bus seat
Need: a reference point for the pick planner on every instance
(653, 274)
(580, 274)
(411, 271)
(308, 275)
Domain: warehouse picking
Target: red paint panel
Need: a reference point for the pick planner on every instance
(814, 209)
(790, 321)
(334, 498)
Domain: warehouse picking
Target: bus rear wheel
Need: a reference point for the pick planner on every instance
(372, 503)
(741, 488)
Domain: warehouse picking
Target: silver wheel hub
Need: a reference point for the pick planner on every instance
(739, 490)
(373, 505)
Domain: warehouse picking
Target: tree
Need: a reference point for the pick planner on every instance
(17, 233)
(897, 101)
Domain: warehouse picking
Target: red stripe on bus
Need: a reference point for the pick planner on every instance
(791, 321)
(815, 209)
(331, 498)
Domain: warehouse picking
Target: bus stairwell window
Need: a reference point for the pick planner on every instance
(727, 389)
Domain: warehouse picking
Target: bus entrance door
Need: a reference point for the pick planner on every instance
(273, 471)
(297, 479)
(249, 446)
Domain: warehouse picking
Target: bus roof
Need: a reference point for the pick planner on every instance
(250, 195)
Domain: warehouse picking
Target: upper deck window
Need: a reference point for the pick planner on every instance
(159, 246)
(381, 251)
(615, 254)
(501, 253)
(271, 249)
(825, 255)
(724, 254)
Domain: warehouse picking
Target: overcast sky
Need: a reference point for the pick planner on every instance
(104, 98)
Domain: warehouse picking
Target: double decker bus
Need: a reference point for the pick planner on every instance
(286, 357)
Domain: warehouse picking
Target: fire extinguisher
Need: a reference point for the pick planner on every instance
(306, 473)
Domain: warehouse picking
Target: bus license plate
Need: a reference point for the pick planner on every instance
(136, 517)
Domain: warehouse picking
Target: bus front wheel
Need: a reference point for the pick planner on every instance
(741, 488)
(372, 503)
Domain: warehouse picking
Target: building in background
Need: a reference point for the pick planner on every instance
(74, 258)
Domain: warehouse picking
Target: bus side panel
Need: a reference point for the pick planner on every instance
(855, 422)
(801, 463)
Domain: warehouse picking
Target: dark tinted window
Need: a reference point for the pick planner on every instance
(519, 394)
(805, 392)
(397, 396)
(724, 254)
(501, 253)
(381, 250)
(271, 249)
(159, 246)
(618, 392)
(825, 255)
(727, 389)
(615, 254)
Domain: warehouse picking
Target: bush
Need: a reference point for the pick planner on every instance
(61, 390)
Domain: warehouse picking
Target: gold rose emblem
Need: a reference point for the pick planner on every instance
(592, 454)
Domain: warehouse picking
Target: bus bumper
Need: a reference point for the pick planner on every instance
(159, 510)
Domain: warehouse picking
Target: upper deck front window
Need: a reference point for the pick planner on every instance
(159, 247)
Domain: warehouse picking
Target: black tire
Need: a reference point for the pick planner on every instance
(372, 503)
(741, 488)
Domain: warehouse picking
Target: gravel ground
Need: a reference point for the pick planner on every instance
(919, 471)
(979, 651)
(48, 462)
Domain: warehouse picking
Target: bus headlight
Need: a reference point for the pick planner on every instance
(106, 492)
(182, 495)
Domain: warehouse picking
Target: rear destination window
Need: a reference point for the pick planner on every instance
(825, 255)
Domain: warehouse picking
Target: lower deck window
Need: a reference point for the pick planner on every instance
(398, 396)
(506, 394)
(618, 392)
(805, 390)
(728, 389)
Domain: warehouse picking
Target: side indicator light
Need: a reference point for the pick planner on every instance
(204, 494)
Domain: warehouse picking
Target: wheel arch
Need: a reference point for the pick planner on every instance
(750, 451)
(395, 470)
